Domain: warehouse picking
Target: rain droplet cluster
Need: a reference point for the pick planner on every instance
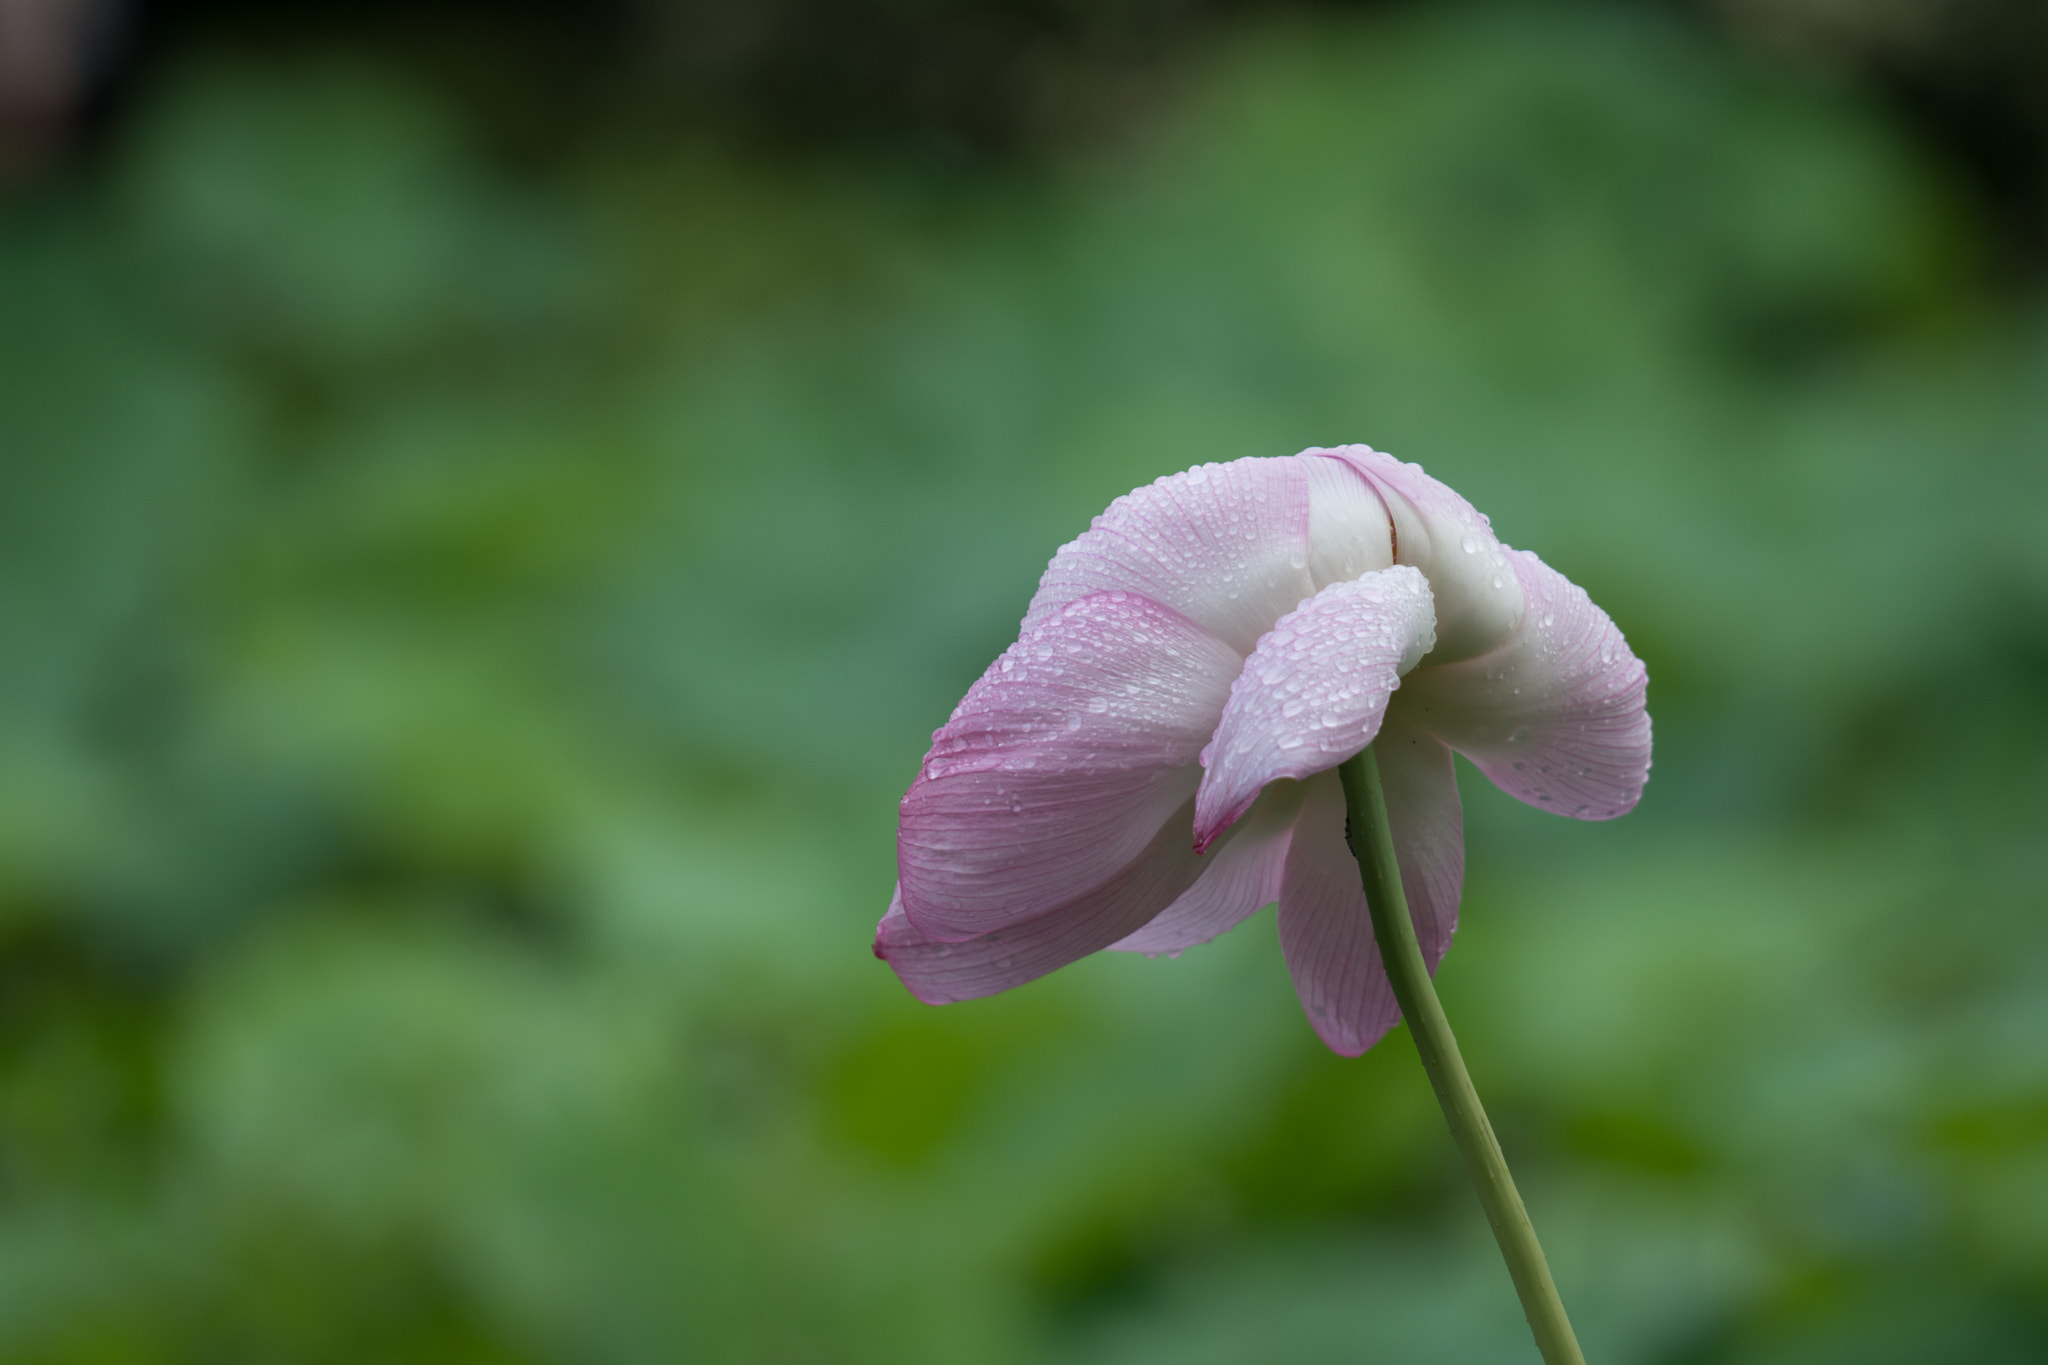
(1313, 692)
(1550, 717)
(1225, 545)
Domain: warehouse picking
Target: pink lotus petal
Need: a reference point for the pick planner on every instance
(1554, 716)
(1325, 927)
(1243, 877)
(1350, 532)
(1313, 692)
(1428, 825)
(1060, 766)
(1226, 545)
(1326, 930)
(1478, 599)
(940, 973)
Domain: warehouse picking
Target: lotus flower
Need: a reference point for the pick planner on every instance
(1154, 759)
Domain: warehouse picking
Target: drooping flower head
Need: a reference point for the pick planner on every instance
(1154, 759)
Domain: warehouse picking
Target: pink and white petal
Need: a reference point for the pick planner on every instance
(1428, 825)
(1312, 693)
(1349, 530)
(940, 972)
(1226, 545)
(1060, 766)
(1242, 878)
(1555, 716)
(1326, 930)
(1478, 598)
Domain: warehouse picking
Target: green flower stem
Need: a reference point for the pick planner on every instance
(1372, 842)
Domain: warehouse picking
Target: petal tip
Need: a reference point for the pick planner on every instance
(1211, 827)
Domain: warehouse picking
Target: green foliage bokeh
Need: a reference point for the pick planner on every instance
(464, 634)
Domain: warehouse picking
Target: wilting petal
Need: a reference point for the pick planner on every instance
(1428, 825)
(1060, 766)
(1326, 930)
(1313, 692)
(1243, 877)
(1555, 716)
(1225, 545)
(939, 972)
(1478, 600)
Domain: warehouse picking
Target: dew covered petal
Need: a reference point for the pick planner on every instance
(1312, 693)
(1478, 597)
(1350, 533)
(1555, 716)
(1226, 545)
(940, 972)
(1061, 765)
(1242, 878)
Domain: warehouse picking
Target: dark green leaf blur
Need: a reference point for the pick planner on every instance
(476, 576)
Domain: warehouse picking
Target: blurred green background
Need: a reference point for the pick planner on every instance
(493, 501)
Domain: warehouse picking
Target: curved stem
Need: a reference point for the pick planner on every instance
(1372, 843)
